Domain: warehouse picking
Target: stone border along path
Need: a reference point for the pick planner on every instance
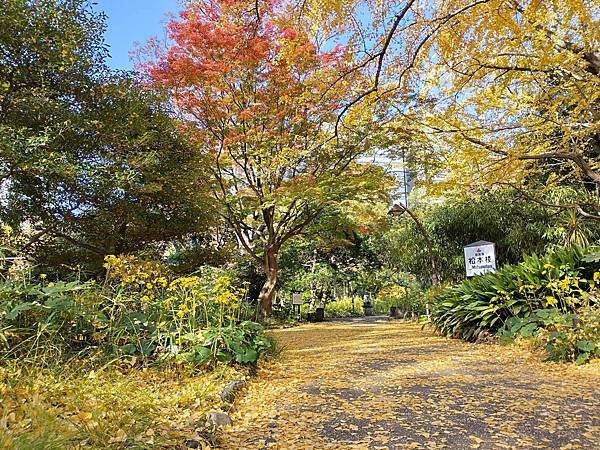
(380, 384)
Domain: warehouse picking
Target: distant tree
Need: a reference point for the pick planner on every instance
(333, 252)
(255, 91)
(517, 225)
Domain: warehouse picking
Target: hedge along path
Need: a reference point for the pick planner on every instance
(389, 384)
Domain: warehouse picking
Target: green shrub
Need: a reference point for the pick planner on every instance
(499, 216)
(140, 313)
(45, 318)
(532, 323)
(241, 343)
(343, 308)
(577, 339)
(391, 296)
(411, 298)
(564, 280)
(564, 336)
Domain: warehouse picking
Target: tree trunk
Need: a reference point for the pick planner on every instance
(271, 267)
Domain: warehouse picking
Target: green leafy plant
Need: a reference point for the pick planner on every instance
(344, 307)
(564, 280)
(564, 336)
(409, 298)
(242, 343)
(38, 318)
(531, 324)
(575, 339)
(140, 314)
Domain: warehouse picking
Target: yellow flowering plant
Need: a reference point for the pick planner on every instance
(135, 275)
(579, 342)
(140, 313)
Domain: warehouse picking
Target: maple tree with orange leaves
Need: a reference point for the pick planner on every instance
(256, 92)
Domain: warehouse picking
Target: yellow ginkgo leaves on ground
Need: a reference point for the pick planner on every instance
(113, 408)
(389, 384)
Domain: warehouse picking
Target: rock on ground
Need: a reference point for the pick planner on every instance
(217, 419)
(230, 390)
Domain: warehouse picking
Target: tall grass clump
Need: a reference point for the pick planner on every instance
(564, 279)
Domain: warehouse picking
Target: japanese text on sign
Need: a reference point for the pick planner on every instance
(480, 259)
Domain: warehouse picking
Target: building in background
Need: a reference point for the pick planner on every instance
(395, 166)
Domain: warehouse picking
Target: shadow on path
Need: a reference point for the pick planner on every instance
(374, 383)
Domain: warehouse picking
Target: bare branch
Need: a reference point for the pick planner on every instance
(577, 158)
(81, 244)
(562, 206)
(379, 57)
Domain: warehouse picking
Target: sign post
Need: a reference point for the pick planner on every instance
(297, 302)
(480, 258)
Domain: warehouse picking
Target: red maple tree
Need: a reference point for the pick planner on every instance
(256, 93)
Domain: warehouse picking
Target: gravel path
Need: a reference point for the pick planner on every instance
(380, 384)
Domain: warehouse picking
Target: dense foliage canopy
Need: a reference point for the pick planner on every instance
(340, 153)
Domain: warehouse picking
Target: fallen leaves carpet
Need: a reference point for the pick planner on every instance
(379, 384)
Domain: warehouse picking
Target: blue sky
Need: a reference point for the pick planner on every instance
(131, 21)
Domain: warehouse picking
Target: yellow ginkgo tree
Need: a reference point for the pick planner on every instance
(500, 88)
(516, 82)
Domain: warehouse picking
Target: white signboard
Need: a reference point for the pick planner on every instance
(480, 258)
(296, 298)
